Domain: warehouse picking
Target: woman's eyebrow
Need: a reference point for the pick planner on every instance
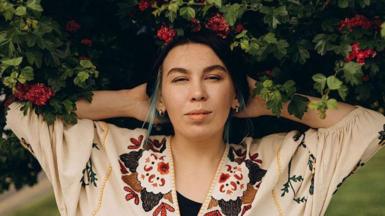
(205, 70)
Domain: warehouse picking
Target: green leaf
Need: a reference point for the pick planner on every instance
(383, 29)
(333, 83)
(21, 11)
(68, 105)
(320, 82)
(217, 3)
(86, 64)
(298, 106)
(12, 61)
(343, 92)
(343, 3)
(34, 5)
(173, 7)
(331, 103)
(187, 12)
(232, 12)
(27, 73)
(245, 45)
(270, 38)
(352, 73)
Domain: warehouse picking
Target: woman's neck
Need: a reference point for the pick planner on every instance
(209, 149)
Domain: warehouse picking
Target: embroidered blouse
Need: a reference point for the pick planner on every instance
(97, 168)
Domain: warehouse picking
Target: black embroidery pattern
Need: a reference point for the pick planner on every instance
(381, 136)
(89, 175)
(358, 165)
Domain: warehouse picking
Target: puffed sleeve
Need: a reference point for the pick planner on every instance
(342, 148)
(62, 150)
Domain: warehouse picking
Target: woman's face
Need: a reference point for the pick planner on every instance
(194, 79)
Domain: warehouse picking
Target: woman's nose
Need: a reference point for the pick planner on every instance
(198, 92)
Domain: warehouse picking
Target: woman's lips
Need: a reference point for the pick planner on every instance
(199, 116)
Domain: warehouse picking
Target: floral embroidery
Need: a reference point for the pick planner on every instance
(152, 172)
(382, 136)
(89, 175)
(358, 165)
(27, 145)
(146, 173)
(237, 184)
(232, 182)
(295, 179)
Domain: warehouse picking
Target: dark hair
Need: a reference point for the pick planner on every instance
(233, 60)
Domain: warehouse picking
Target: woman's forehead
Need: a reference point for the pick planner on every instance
(191, 55)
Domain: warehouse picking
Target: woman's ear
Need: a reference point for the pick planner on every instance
(235, 103)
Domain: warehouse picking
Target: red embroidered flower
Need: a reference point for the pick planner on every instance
(219, 25)
(166, 34)
(143, 5)
(163, 168)
(38, 93)
(86, 42)
(223, 177)
(356, 21)
(360, 55)
(196, 25)
(239, 28)
(72, 26)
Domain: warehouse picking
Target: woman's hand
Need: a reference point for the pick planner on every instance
(256, 106)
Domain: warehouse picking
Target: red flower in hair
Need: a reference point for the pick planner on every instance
(219, 25)
(196, 25)
(166, 34)
(72, 26)
(360, 55)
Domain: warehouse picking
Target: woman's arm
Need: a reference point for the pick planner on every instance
(257, 107)
(132, 103)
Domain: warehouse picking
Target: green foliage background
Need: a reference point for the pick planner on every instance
(290, 46)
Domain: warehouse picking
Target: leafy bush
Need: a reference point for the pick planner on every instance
(50, 58)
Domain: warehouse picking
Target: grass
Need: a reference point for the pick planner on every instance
(43, 206)
(362, 194)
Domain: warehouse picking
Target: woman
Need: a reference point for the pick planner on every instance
(97, 168)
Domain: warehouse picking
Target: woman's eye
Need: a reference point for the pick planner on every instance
(177, 80)
(214, 77)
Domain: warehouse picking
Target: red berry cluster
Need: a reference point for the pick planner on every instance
(86, 42)
(360, 55)
(143, 5)
(356, 21)
(37, 93)
(196, 25)
(218, 24)
(72, 26)
(166, 34)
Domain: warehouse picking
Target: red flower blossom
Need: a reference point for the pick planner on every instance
(360, 55)
(163, 168)
(166, 34)
(143, 5)
(239, 28)
(72, 26)
(356, 21)
(37, 93)
(196, 25)
(219, 25)
(86, 42)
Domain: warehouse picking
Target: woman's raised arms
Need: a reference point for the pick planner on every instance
(256, 107)
(105, 104)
